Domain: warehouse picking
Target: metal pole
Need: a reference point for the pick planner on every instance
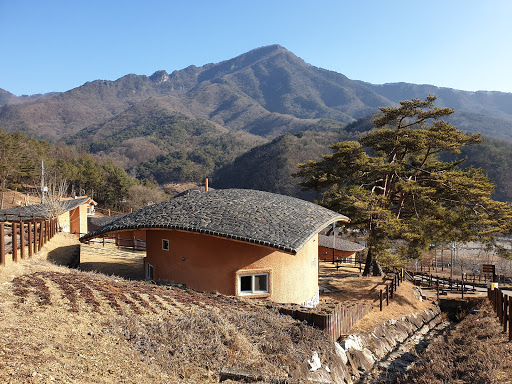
(451, 260)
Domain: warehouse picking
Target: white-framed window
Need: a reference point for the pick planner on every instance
(149, 271)
(165, 244)
(254, 283)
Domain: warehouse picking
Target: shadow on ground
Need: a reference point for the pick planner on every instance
(127, 270)
(68, 256)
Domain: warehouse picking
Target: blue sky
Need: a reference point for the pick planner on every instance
(58, 45)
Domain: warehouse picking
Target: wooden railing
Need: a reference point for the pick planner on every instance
(27, 235)
(502, 304)
(390, 290)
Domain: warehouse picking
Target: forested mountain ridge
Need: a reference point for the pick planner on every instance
(193, 122)
(268, 91)
(270, 167)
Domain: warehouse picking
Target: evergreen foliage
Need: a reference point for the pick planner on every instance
(394, 186)
(20, 168)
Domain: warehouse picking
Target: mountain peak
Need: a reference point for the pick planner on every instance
(160, 76)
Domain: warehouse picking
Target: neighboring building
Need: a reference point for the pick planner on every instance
(74, 217)
(233, 241)
(343, 249)
(135, 238)
(71, 213)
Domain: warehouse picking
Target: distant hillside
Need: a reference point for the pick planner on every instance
(269, 167)
(489, 113)
(495, 104)
(192, 122)
(168, 146)
(268, 92)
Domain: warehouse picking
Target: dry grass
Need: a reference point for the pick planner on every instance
(476, 351)
(63, 325)
(346, 284)
(110, 260)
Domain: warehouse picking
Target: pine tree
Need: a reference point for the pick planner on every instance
(395, 188)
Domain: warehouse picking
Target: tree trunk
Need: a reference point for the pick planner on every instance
(372, 266)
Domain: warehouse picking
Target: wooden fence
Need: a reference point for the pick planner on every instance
(121, 242)
(442, 284)
(502, 304)
(27, 237)
(334, 318)
(391, 288)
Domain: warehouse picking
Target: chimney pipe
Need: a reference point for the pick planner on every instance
(206, 184)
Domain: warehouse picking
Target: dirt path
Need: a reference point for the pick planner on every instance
(110, 260)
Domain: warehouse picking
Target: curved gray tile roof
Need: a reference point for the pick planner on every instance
(40, 211)
(339, 244)
(264, 218)
(101, 221)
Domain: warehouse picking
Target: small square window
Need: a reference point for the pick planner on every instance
(253, 284)
(165, 245)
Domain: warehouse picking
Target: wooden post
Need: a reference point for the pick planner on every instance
(505, 314)
(22, 238)
(40, 245)
(387, 294)
(437, 289)
(15, 242)
(462, 288)
(500, 306)
(35, 237)
(30, 238)
(510, 318)
(2, 245)
(380, 300)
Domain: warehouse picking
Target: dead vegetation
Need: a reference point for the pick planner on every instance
(63, 325)
(475, 351)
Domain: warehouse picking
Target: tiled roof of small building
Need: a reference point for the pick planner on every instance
(101, 221)
(339, 244)
(40, 211)
(263, 218)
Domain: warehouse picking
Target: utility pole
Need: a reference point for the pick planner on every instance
(451, 261)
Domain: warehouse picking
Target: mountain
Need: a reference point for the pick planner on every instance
(489, 113)
(154, 141)
(269, 167)
(268, 92)
(197, 120)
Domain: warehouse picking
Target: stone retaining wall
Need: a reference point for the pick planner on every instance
(359, 352)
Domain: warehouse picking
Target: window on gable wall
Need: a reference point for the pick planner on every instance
(255, 283)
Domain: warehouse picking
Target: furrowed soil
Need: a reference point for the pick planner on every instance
(63, 325)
